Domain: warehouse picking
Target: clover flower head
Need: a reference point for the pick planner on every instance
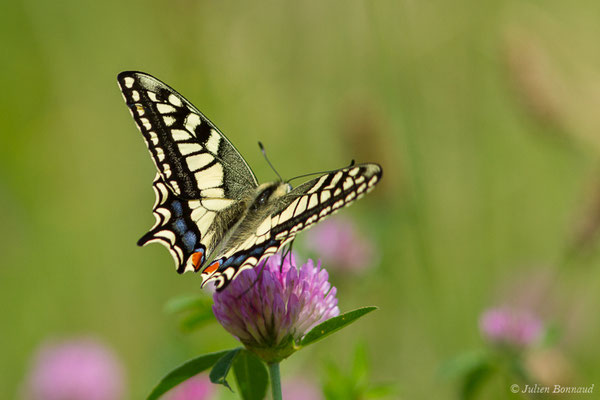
(195, 388)
(339, 242)
(79, 369)
(516, 328)
(269, 311)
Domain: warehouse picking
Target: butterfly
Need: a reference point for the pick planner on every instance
(211, 213)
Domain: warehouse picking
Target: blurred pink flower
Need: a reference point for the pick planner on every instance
(516, 328)
(339, 242)
(195, 388)
(301, 389)
(79, 369)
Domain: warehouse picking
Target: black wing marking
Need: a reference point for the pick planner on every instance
(193, 157)
(294, 212)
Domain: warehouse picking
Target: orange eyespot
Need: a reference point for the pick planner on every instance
(197, 259)
(211, 268)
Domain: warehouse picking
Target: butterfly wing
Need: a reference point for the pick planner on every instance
(192, 156)
(200, 173)
(290, 214)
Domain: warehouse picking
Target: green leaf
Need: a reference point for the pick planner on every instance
(185, 371)
(188, 303)
(471, 368)
(337, 384)
(552, 335)
(196, 320)
(197, 311)
(386, 390)
(463, 364)
(354, 384)
(251, 376)
(360, 366)
(218, 374)
(334, 324)
(474, 380)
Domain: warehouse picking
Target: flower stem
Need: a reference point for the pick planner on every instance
(275, 381)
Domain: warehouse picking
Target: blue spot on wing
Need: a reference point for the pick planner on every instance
(239, 260)
(177, 207)
(189, 240)
(180, 226)
(235, 261)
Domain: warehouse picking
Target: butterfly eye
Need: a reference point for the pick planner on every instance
(263, 197)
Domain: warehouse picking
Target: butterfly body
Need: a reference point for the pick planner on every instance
(211, 213)
(257, 209)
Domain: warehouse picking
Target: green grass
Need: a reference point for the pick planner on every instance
(478, 192)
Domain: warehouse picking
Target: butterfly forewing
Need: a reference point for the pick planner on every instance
(194, 159)
(321, 197)
(292, 213)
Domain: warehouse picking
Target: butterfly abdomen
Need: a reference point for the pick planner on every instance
(257, 213)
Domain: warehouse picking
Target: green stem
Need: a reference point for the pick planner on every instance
(275, 381)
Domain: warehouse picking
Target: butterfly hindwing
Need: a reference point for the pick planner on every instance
(176, 229)
(292, 213)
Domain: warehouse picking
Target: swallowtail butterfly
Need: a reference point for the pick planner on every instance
(210, 211)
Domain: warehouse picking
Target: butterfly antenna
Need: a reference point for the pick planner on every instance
(262, 149)
(287, 251)
(320, 172)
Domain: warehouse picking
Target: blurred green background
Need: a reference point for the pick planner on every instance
(484, 116)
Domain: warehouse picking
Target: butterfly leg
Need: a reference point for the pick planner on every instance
(287, 251)
(255, 281)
